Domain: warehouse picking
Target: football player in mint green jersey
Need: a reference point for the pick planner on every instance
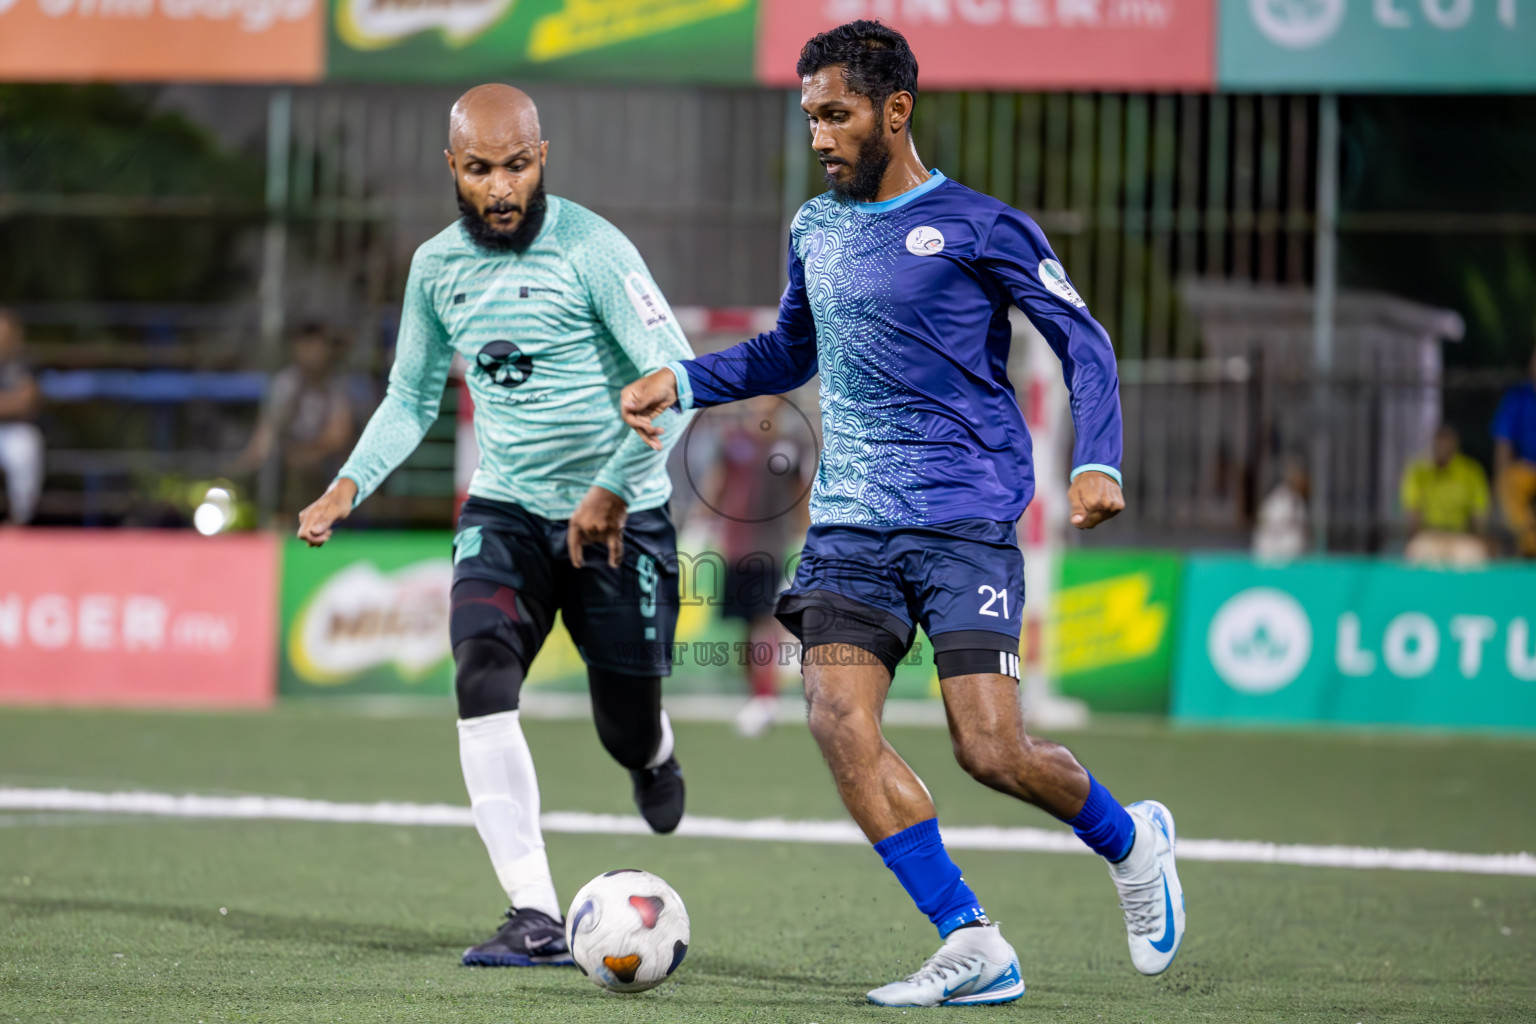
(553, 310)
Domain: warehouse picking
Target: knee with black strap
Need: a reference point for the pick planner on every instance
(488, 625)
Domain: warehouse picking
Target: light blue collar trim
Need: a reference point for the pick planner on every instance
(935, 179)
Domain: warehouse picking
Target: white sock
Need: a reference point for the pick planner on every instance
(1140, 864)
(504, 796)
(664, 748)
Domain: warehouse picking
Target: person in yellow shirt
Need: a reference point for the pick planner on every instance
(1446, 500)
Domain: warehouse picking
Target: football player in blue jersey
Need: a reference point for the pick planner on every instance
(900, 284)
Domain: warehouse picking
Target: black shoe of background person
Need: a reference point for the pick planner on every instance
(529, 938)
(659, 795)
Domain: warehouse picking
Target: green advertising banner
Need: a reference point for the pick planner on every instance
(1111, 632)
(593, 40)
(366, 614)
(1363, 45)
(1359, 641)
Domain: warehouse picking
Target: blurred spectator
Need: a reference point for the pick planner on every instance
(1446, 499)
(1514, 460)
(759, 490)
(1282, 528)
(307, 417)
(21, 442)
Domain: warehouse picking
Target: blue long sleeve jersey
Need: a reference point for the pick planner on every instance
(903, 307)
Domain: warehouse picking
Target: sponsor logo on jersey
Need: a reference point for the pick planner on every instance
(925, 241)
(1055, 280)
(1297, 24)
(505, 363)
(650, 307)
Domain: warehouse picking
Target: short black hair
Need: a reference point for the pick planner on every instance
(877, 62)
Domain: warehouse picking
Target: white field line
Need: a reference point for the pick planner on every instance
(1033, 840)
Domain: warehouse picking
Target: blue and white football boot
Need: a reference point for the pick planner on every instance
(1150, 893)
(975, 965)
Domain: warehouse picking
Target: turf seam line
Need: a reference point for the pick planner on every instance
(842, 833)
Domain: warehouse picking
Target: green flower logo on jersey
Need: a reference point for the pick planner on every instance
(505, 363)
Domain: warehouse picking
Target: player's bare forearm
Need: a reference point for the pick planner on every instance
(645, 399)
(599, 519)
(319, 519)
(1094, 497)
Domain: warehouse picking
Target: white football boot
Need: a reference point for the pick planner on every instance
(1150, 893)
(975, 965)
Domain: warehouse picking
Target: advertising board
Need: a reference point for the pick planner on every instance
(1359, 641)
(136, 617)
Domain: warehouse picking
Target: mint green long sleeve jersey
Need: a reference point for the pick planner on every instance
(550, 336)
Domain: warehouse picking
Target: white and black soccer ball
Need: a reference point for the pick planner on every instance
(627, 930)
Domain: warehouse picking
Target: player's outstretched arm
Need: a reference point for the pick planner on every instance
(1094, 497)
(320, 517)
(397, 426)
(1021, 260)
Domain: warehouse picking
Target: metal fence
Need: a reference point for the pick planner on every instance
(1138, 193)
(1208, 439)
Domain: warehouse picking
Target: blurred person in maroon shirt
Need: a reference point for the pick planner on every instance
(758, 491)
(21, 442)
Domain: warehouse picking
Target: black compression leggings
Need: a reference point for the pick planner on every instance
(489, 667)
(626, 709)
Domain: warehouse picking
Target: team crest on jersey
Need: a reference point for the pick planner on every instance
(505, 363)
(925, 241)
(1055, 280)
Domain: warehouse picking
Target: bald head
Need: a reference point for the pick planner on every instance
(492, 115)
(497, 158)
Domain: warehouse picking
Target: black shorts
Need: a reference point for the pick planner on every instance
(621, 619)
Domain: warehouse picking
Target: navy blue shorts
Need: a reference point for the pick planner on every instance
(871, 586)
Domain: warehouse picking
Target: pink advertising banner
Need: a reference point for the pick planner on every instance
(1015, 44)
(131, 617)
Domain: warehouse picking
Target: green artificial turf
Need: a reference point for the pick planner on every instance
(109, 918)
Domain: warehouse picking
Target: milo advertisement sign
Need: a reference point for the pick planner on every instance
(367, 614)
(602, 40)
(1352, 640)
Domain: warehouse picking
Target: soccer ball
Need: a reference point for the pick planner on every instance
(627, 930)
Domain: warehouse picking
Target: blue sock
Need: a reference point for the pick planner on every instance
(923, 867)
(1103, 824)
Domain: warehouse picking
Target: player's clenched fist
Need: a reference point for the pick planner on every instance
(1095, 497)
(645, 399)
(317, 520)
